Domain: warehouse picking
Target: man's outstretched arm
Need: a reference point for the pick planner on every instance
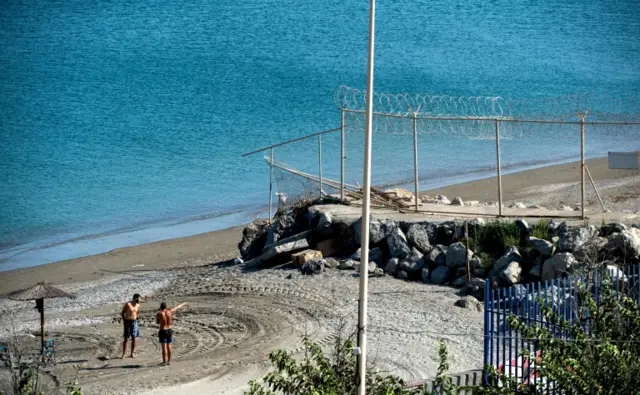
(173, 310)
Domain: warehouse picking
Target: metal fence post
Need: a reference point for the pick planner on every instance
(270, 186)
(582, 164)
(487, 329)
(498, 167)
(320, 162)
(415, 158)
(342, 155)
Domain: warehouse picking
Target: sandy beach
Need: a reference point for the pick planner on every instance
(235, 317)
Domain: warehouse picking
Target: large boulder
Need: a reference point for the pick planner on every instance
(627, 243)
(474, 287)
(441, 275)
(413, 262)
(446, 233)
(511, 274)
(470, 303)
(543, 247)
(557, 266)
(282, 249)
(591, 251)
(392, 266)
(375, 255)
(402, 275)
(418, 236)
(253, 241)
(397, 242)
(523, 227)
(378, 230)
(437, 256)
(457, 255)
(459, 282)
(426, 274)
(510, 255)
(572, 239)
(457, 201)
(611, 228)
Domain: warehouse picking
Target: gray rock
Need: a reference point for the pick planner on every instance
(591, 250)
(441, 274)
(331, 263)
(534, 272)
(397, 242)
(437, 256)
(413, 262)
(372, 267)
(402, 275)
(557, 265)
(461, 271)
(457, 255)
(511, 274)
(238, 261)
(459, 282)
(378, 272)
(611, 228)
(572, 239)
(313, 266)
(543, 247)
(470, 303)
(523, 226)
(474, 287)
(511, 255)
(457, 201)
(375, 255)
(324, 219)
(392, 266)
(475, 263)
(616, 274)
(349, 264)
(418, 236)
(479, 272)
(518, 205)
(629, 242)
(378, 230)
(446, 233)
(426, 276)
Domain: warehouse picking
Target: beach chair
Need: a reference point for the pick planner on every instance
(49, 352)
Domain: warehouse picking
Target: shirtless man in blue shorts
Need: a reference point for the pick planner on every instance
(164, 318)
(129, 315)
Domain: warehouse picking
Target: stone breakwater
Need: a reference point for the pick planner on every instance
(505, 252)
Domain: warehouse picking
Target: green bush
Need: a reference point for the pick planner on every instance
(540, 229)
(494, 237)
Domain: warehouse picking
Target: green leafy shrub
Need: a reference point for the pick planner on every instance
(316, 374)
(540, 229)
(495, 237)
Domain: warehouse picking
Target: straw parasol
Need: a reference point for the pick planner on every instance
(39, 293)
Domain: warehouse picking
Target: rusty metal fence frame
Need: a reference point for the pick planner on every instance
(580, 124)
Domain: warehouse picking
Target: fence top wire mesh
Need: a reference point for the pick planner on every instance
(552, 109)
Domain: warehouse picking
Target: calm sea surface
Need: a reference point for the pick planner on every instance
(120, 119)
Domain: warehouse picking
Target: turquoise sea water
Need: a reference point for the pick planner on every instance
(125, 117)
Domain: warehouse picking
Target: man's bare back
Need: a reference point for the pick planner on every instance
(165, 319)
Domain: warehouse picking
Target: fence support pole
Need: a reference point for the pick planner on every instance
(320, 162)
(270, 186)
(499, 169)
(415, 159)
(582, 164)
(342, 155)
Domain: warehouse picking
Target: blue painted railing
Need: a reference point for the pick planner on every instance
(503, 345)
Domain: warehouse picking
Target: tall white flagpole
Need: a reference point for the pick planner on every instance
(364, 242)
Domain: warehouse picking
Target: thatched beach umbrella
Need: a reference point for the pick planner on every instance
(39, 293)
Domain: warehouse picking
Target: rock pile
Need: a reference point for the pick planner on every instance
(434, 252)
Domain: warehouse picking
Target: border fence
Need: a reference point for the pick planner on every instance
(515, 356)
(422, 119)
